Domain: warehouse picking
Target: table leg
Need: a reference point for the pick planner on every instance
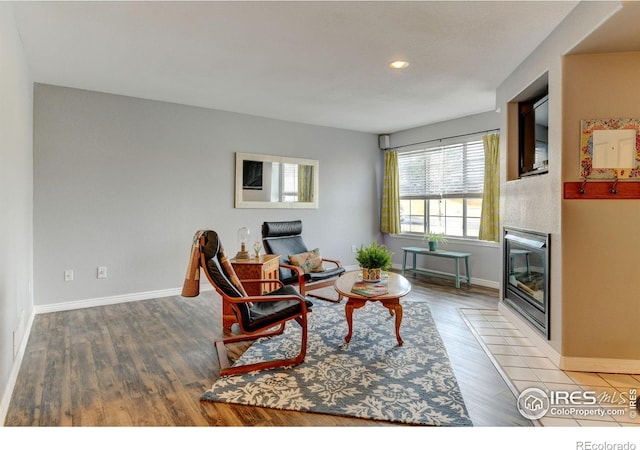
(395, 308)
(466, 267)
(414, 264)
(457, 273)
(404, 262)
(352, 303)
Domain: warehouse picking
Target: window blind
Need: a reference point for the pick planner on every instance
(444, 171)
(289, 182)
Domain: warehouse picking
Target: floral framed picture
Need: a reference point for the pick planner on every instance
(610, 149)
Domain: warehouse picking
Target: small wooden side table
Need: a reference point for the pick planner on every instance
(265, 267)
(398, 286)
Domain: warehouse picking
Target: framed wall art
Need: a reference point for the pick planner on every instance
(610, 149)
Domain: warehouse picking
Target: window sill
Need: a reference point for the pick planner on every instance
(450, 240)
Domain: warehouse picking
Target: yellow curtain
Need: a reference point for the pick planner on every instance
(305, 183)
(490, 219)
(390, 217)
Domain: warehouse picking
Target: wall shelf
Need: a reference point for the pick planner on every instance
(601, 190)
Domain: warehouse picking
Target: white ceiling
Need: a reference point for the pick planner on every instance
(322, 63)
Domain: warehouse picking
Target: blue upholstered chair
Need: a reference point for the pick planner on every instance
(285, 239)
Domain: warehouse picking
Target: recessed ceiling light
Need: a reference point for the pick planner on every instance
(399, 64)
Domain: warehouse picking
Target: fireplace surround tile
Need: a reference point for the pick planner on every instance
(528, 350)
(515, 362)
(553, 376)
(538, 362)
(511, 361)
(498, 349)
(521, 373)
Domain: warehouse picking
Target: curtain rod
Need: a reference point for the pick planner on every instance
(441, 139)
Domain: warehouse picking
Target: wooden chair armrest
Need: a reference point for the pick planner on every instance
(292, 267)
(334, 261)
(299, 272)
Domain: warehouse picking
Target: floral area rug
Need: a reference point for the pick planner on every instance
(371, 377)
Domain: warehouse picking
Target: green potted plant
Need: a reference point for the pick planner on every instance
(373, 259)
(433, 238)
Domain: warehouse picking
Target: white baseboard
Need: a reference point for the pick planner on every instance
(602, 365)
(15, 369)
(112, 300)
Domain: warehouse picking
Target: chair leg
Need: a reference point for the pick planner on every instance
(329, 299)
(226, 369)
(253, 337)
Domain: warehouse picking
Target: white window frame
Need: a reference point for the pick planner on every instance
(466, 183)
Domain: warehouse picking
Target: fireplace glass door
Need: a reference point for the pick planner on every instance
(526, 263)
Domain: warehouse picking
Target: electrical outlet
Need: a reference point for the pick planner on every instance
(102, 272)
(354, 249)
(68, 275)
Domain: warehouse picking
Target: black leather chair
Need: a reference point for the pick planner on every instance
(257, 315)
(284, 239)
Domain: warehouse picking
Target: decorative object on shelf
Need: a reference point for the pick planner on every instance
(243, 238)
(433, 239)
(609, 149)
(257, 246)
(373, 259)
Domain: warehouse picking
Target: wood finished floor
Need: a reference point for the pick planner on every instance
(146, 363)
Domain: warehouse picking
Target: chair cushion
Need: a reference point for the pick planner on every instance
(218, 266)
(262, 314)
(328, 273)
(309, 262)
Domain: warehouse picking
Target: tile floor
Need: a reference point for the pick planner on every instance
(523, 366)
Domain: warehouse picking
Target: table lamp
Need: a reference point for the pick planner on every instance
(243, 238)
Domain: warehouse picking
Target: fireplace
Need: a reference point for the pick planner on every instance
(526, 275)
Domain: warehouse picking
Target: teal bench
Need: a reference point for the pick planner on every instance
(455, 256)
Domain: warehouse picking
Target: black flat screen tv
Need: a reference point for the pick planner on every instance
(533, 140)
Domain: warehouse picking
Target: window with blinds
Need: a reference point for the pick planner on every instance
(441, 189)
(289, 183)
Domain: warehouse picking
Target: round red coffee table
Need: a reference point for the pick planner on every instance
(398, 286)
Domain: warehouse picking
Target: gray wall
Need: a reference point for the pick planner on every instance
(124, 183)
(485, 261)
(16, 200)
